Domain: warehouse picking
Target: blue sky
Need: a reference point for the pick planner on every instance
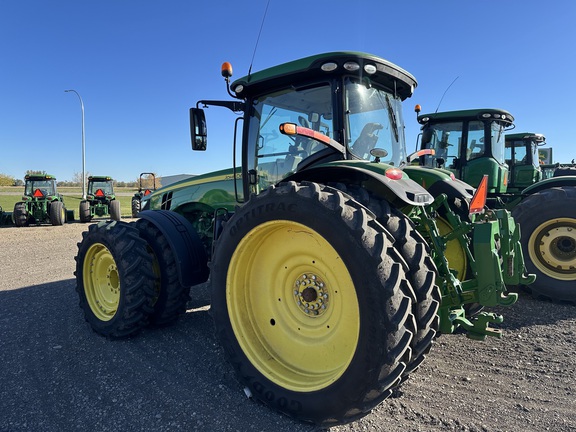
(140, 65)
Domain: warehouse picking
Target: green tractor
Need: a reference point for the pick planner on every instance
(100, 200)
(41, 202)
(330, 271)
(471, 144)
(142, 192)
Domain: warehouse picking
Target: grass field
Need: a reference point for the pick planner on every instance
(10, 195)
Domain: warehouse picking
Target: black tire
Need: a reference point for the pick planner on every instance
(308, 302)
(115, 213)
(20, 214)
(114, 279)
(548, 226)
(420, 270)
(84, 211)
(170, 295)
(57, 213)
(135, 207)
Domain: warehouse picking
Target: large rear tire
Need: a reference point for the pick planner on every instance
(135, 207)
(57, 213)
(84, 211)
(308, 302)
(420, 271)
(548, 224)
(114, 279)
(171, 296)
(115, 213)
(20, 214)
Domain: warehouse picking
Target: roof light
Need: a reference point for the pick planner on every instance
(394, 173)
(329, 67)
(226, 70)
(239, 88)
(370, 69)
(486, 115)
(479, 199)
(351, 66)
(417, 108)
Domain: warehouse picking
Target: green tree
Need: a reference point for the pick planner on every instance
(7, 180)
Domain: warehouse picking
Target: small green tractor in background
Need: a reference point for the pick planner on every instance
(547, 166)
(100, 200)
(41, 202)
(143, 191)
(331, 269)
(471, 144)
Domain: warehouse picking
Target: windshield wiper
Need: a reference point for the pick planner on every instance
(392, 116)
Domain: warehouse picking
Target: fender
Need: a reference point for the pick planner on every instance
(437, 182)
(184, 241)
(550, 183)
(403, 191)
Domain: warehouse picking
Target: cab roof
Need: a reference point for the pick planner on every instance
(526, 135)
(37, 177)
(327, 65)
(470, 114)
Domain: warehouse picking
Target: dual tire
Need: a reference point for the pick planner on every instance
(311, 298)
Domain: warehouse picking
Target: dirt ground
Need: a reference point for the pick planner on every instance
(56, 374)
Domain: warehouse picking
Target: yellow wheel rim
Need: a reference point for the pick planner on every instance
(455, 253)
(552, 248)
(101, 282)
(293, 306)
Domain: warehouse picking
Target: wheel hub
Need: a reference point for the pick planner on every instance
(553, 248)
(311, 294)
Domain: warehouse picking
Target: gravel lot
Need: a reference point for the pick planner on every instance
(56, 374)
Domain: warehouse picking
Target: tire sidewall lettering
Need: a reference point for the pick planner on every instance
(258, 211)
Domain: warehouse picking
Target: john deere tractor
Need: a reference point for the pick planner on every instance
(473, 143)
(100, 200)
(328, 263)
(142, 191)
(41, 202)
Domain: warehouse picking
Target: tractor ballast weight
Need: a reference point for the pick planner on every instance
(136, 202)
(469, 143)
(41, 202)
(329, 270)
(100, 200)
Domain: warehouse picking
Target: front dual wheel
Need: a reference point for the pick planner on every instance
(308, 301)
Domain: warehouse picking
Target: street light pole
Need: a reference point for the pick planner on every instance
(83, 146)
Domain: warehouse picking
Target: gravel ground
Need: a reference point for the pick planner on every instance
(56, 374)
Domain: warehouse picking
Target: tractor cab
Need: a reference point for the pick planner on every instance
(522, 158)
(100, 188)
(39, 187)
(346, 106)
(469, 143)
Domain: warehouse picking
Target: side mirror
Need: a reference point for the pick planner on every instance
(198, 131)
